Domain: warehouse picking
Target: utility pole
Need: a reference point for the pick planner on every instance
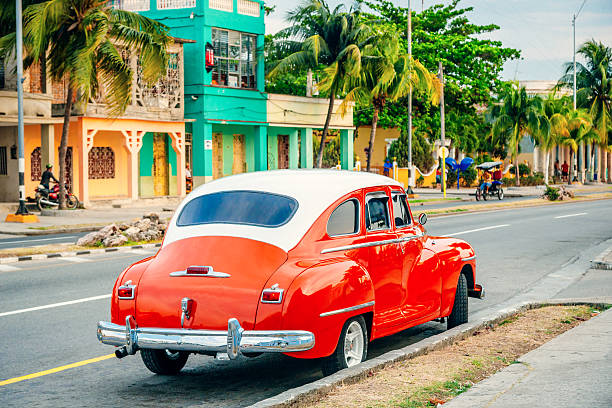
(442, 130)
(581, 147)
(411, 175)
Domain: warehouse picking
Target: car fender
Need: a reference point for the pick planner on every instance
(317, 298)
(120, 308)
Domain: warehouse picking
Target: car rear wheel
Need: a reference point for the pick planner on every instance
(165, 362)
(352, 347)
(459, 315)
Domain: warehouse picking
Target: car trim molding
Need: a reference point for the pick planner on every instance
(468, 258)
(347, 309)
(369, 244)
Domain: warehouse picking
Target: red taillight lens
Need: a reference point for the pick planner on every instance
(125, 292)
(200, 270)
(271, 296)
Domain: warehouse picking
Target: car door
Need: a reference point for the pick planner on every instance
(384, 259)
(421, 277)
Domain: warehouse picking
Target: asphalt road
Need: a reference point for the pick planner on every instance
(515, 249)
(22, 241)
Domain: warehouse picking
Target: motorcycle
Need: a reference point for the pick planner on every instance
(50, 198)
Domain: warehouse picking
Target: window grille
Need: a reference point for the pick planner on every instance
(223, 5)
(101, 163)
(235, 58)
(248, 8)
(3, 160)
(175, 4)
(35, 165)
(1, 73)
(131, 5)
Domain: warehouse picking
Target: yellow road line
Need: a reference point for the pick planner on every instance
(55, 370)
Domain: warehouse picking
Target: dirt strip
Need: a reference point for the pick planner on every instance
(436, 377)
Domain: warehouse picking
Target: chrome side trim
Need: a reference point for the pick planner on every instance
(370, 244)
(347, 309)
(468, 258)
(211, 274)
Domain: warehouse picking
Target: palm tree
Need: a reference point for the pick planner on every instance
(516, 117)
(386, 76)
(80, 40)
(576, 128)
(555, 109)
(334, 38)
(594, 88)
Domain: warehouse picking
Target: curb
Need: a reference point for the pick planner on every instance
(312, 392)
(601, 263)
(76, 253)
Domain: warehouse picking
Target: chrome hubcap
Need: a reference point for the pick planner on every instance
(353, 344)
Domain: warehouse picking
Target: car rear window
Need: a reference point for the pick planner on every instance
(239, 207)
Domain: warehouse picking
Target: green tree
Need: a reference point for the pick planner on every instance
(80, 38)
(472, 66)
(594, 88)
(518, 116)
(576, 128)
(421, 150)
(334, 38)
(387, 74)
(555, 109)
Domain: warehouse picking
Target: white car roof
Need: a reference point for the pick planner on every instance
(314, 190)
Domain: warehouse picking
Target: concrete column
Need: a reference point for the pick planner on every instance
(293, 149)
(201, 139)
(85, 146)
(133, 143)
(306, 155)
(178, 144)
(346, 149)
(261, 147)
(580, 161)
(47, 145)
(588, 162)
(609, 167)
(536, 158)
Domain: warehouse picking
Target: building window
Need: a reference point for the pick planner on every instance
(223, 5)
(3, 161)
(35, 165)
(175, 4)
(131, 5)
(1, 73)
(234, 63)
(248, 8)
(101, 163)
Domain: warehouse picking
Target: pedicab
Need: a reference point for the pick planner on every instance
(491, 187)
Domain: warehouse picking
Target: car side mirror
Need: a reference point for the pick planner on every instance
(422, 218)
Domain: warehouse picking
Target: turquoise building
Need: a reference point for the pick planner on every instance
(232, 125)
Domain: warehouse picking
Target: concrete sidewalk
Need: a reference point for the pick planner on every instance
(80, 220)
(572, 370)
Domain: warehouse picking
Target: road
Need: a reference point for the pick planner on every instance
(515, 248)
(21, 241)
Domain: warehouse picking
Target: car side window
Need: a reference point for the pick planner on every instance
(377, 211)
(345, 219)
(400, 211)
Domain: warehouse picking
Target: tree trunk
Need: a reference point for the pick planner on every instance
(372, 136)
(43, 73)
(571, 170)
(330, 111)
(516, 165)
(62, 149)
(592, 163)
(546, 165)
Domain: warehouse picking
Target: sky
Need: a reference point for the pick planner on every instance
(541, 29)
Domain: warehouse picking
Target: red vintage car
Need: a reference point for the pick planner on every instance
(310, 263)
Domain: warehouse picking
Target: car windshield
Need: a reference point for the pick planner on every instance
(239, 207)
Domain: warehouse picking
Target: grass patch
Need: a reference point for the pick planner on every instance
(439, 376)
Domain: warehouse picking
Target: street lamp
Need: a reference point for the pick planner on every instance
(581, 147)
(21, 215)
(411, 176)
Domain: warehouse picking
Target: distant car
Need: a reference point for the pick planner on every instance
(310, 263)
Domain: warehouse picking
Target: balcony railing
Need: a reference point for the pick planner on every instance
(175, 4)
(248, 8)
(132, 5)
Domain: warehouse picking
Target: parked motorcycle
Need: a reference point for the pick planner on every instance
(50, 198)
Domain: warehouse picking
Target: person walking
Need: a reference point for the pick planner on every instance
(565, 171)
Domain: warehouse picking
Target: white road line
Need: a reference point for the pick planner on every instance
(571, 215)
(34, 240)
(476, 230)
(141, 251)
(70, 302)
(75, 259)
(8, 268)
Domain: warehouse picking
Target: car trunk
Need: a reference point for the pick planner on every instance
(215, 299)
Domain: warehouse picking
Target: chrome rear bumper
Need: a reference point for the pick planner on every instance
(234, 341)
